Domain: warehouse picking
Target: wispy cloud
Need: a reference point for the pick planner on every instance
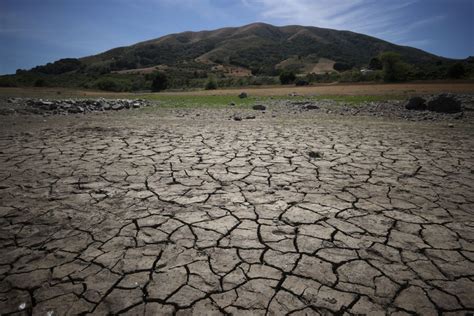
(373, 17)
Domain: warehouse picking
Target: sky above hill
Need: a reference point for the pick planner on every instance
(34, 32)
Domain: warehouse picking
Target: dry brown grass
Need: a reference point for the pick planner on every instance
(328, 89)
(343, 89)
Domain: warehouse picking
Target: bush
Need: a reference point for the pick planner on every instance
(109, 84)
(118, 83)
(301, 82)
(159, 81)
(456, 71)
(7, 81)
(287, 77)
(40, 83)
(342, 67)
(211, 84)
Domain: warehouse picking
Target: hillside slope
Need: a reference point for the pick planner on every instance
(260, 47)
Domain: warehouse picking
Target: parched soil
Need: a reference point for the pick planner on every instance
(156, 213)
(402, 89)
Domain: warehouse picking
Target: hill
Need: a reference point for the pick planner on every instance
(257, 49)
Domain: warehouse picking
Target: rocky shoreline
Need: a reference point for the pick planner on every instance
(426, 108)
(67, 106)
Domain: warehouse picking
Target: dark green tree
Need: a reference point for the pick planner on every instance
(159, 81)
(287, 77)
(375, 64)
(394, 69)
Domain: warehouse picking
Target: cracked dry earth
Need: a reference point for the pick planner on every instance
(169, 216)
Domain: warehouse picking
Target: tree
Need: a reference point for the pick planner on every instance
(287, 77)
(159, 81)
(456, 71)
(375, 64)
(394, 69)
(211, 84)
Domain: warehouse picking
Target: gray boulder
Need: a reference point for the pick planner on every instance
(444, 103)
(243, 95)
(117, 107)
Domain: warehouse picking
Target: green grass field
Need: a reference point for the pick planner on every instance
(216, 101)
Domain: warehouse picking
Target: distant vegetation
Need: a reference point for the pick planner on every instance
(159, 81)
(256, 54)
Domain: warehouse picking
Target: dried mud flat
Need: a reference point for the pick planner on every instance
(154, 214)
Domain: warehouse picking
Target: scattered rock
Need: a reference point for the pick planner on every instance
(259, 107)
(67, 106)
(117, 107)
(416, 103)
(237, 118)
(311, 107)
(250, 117)
(232, 104)
(444, 103)
(243, 95)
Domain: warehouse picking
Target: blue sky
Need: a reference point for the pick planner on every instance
(34, 32)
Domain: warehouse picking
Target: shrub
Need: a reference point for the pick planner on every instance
(342, 66)
(159, 81)
(456, 71)
(287, 77)
(7, 81)
(109, 84)
(40, 83)
(301, 82)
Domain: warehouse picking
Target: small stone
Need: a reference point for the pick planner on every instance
(259, 107)
(243, 95)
